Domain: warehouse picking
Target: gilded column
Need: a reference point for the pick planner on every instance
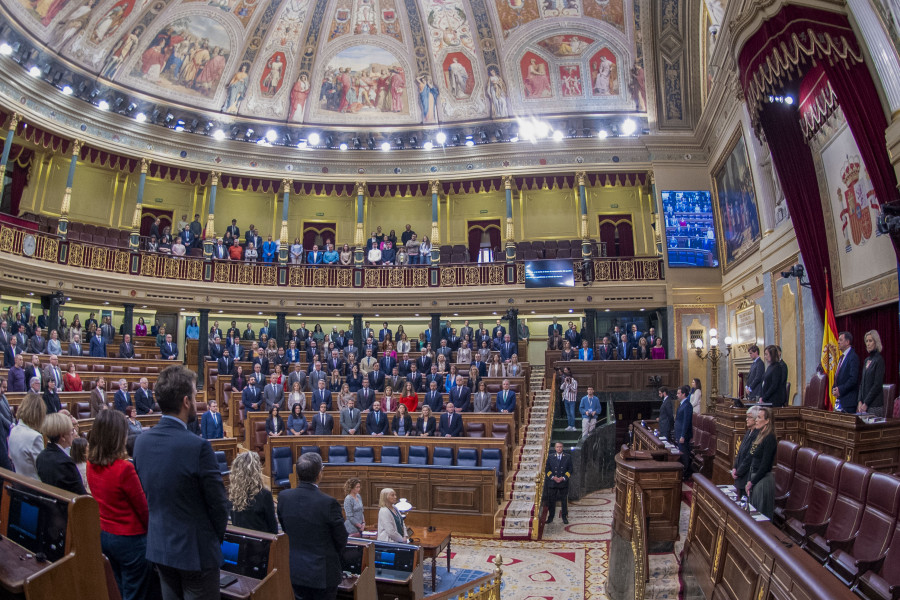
(7, 146)
(510, 230)
(62, 228)
(359, 238)
(283, 238)
(210, 240)
(134, 241)
(435, 229)
(582, 206)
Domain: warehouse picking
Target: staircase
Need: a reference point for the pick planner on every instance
(522, 506)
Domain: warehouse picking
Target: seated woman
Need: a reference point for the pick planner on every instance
(346, 255)
(425, 424)
(331, 256)
(274, 424)
(178, 249)
(297, 423)
(402, 423)
(409, 398)
(657, 352)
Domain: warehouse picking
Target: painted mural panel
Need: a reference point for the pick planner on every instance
(515, 13)
(364, 79)
(498, 94)
(851, 212)
(570, 79)
(189, 55)
(604, 73)
(109, 23)
(564, 46)
(608, 11)
(273, 74)
(535, 76)
(559, 8)
(44, 10)
(458, 75)
(448, 24)
(738, 215)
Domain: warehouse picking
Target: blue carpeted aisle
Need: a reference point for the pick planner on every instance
(449, 580)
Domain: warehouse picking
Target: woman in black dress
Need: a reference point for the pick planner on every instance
(871, 392)
(742, 461)
(252, 506)
(761, 484)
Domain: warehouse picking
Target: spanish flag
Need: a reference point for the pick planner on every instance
(829, 346)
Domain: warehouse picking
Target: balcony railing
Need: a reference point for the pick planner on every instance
(51, 249)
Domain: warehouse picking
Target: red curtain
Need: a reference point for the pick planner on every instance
(476, 228)
(884, 320)
(312, 230)
(21, 170)
(617, 232)
(148, 216)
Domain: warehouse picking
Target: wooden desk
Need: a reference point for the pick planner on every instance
(645, 440)
(362, 586)
(732, 556)
(433, 543)
(660, 484)
(80, 573)
(410, 588)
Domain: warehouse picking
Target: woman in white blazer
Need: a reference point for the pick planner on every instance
(390, 523)
(25, 439)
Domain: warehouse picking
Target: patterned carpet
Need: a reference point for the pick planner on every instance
(571, 562)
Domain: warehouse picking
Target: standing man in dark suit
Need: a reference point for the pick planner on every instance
(499, 327)
(225, 364)
(508, 348)
(321, 396)
(451, 423)
(572, 335)
(122, 399)
(666, 415)
(365, 396)
(624, 348)
(558, 470)
(323, 423)
(684, 428)
(434, 398)
(753, 386)
(846, 379)
(168, 351)
(554, 326)
(377, 421)
(98, 345)
(186, 498)
(211, 424)
(314, 525)
(605, 350)
(385, 332)
(126, 348)
(143, 398)
(466, 330)
(376, 379)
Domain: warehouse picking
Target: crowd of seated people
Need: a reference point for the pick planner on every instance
(622, 343)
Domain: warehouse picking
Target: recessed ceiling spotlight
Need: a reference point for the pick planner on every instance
(602, 134)
(140, 118)
(5, 49)
(67, 90)
(34, 71)
(271, 135)
(302, 144)
(314, 139)
(788, 99)
(571, 310)
(103, 105)
(386, 146)
(218, 135)
(428, 145)
(441, 137)
(343, 146)
(299, 314)
(179, 125)
(557, 136)
(514, 138)
(469, 141)
(542, 129)
(606, 310)
(629, 127)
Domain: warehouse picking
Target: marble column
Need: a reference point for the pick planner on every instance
(359, 237)
(510, 230)
(134, 242)
(283, 237)
(7, 146)
(210, 240)
(435, 227)
(62, 227)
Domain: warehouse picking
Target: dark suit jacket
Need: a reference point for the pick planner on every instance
(423, 364)
(755, 378)
(211, 429)
(554, 327)
(847, 381)
(507, 350)
(98, 347)
(387, 364)
(319, 396)
(30, 372)
(121, 401)
(10, 357)
(773, 388)
(51, 401)
(126, 350)
(376, 380)
(315, 527)
(435, 401)
(684, 422)
(381, 426)
(558, 468)
(318, 428)
(407, 424)
(460, 396)
(54, 467)
(187, 500)
(453, 429)
(604, 352)
(166, 351)
(215, 353)
(425, 427)
(16, 380)
(364, 398)
(226, 366)
(667, 419)
(416, 379)
(143, 400)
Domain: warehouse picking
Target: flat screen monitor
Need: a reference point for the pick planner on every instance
(395, 557)
(352, 558)
(549, 274)
(245, 555)
(37, 522)
(690, 229)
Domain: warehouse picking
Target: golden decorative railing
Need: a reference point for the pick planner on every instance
(541, 476)
(50, 248)
(486, 587)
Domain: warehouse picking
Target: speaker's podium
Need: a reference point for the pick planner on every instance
(50, 545)
(255, 565)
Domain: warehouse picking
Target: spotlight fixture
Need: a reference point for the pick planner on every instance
(103, 105)
(343, 147)
(169, 118)
(399, 143)
(314, 139)
(235, 131)
(413, 142)
(271, 135)
(428, 145)
(194, 124)
(140, 117)
(208, 127)
(798, 271)
(67, 90)
(386, 146)
(248, 134)
(356, 143)
(329, 141)
(557, 136)
(370, 142)
(602, 134)
(441, 138)
(455, 139)
(218, 135)
(629, 127)
(303, 144)
(131, 107)
(179, 125)
(484, 137)
(34, 71)
(5, 49)
(469, 141)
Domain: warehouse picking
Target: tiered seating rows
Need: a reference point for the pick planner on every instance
(844, 514)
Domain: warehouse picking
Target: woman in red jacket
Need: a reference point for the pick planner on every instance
(71, 380)
(409, 398)
(123, 506)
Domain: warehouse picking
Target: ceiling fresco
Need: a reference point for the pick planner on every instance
(355, 62)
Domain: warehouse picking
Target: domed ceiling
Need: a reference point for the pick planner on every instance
(355, 62)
